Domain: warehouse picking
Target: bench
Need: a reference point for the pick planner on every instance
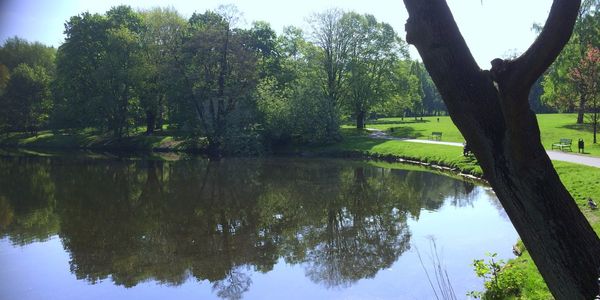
(436, 136)
(562, 145)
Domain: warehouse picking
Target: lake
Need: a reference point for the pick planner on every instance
(106, 227)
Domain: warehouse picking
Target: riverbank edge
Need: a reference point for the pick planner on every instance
(92, 141)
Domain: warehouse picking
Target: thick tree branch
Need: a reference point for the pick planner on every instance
(492, 112)
(519, 75)
(444, 35)
(432, 30)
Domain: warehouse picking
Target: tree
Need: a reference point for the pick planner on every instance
(406, 88)
(431, 101)
(329, 35)
(98, 71)
(562, 93)
(26, 71)
(292, 104)
(265, 44)
(161, 38)
(220, 73)
(373, 52)
(16, 51)
(117, 75)
(491, 110)
(27, 100)
(77, 60)
(535, 98)
(559, 92)
(585, 76)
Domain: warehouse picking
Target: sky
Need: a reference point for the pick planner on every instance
(492, 28)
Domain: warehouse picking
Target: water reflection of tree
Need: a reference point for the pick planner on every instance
(220, 221)
(234, 285)
(362, 233)
(26, 201)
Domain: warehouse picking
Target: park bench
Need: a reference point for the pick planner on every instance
(562, 145)
(436, 135)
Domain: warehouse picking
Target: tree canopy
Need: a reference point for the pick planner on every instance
(244, 90)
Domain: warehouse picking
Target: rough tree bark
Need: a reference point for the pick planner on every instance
(360, 119)
(492, 111)
(581, 109)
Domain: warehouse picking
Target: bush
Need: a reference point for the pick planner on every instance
(501, 280)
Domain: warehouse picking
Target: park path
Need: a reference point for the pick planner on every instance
(554, 155)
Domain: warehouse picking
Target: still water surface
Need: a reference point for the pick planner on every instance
(108, 228)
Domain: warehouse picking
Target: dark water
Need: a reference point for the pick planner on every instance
(74, 227)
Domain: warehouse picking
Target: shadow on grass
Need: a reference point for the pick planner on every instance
(580, 127)
(405, 132)
(102, 140)
(360, 143)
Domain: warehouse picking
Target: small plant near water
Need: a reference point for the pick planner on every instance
(501, 281)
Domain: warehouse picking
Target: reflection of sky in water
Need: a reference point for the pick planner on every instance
(465, 227)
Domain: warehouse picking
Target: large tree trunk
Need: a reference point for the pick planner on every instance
(491, 110)
(360, 119)
(595, 123)
(150, 121)
(581, 109)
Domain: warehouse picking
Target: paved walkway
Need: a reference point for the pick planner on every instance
(554, 155)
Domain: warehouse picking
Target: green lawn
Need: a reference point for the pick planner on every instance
(553, 127)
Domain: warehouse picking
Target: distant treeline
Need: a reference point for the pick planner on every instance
(153, 69)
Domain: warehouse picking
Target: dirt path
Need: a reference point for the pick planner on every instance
(554, 155)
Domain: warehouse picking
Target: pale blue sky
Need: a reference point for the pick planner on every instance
(492, 28)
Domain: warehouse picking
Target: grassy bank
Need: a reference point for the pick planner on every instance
(553, 127)
(581, 181)
(92, 139)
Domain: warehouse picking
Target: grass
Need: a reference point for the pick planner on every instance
(451, 156)
(553, 127)
(98, 140)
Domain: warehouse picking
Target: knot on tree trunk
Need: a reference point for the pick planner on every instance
(500, 70)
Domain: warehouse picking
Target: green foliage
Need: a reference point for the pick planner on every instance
(16, 51)
(291, 103)
(26, 73)
(98, 71)
(219, 67)
(161, 39)
(123, 69)
(78, 58)
(430, 102)
(560, 92)
(4, 78)
(27, 100)
(374, 51)
(501, 281)
(276, 110)
(406, 91)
